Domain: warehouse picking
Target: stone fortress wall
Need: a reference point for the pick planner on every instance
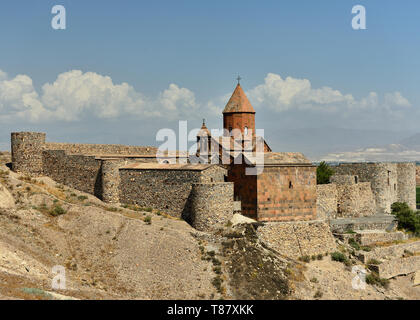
(390, 182)
(345, 197)
(365, 189)
(167, 189)
(418, 175)
(103, 171)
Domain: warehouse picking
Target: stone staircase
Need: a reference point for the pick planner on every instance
(391, 252)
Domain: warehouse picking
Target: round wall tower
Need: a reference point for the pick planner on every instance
(110, 174)
(406, 177)
(211, 204)
(27, 150)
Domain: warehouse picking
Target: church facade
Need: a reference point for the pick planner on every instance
(284, 189)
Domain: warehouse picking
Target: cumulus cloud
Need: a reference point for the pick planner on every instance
(281, 95)
(75, 94)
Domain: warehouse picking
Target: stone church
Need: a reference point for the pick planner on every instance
(285, 188)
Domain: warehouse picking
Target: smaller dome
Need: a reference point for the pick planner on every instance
(203, 131)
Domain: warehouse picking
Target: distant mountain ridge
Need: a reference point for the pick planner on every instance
(407, 149)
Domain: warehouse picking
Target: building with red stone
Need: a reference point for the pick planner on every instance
(284, 189)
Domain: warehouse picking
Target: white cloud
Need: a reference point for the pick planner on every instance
(395, 99)
(281, 95)
(75, 94)
(177, 101)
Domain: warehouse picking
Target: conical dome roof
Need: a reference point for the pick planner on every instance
(238, 102)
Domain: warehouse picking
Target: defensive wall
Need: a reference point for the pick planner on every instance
(390, 182)
(129, 174)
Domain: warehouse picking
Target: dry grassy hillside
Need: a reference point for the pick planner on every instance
(138, 253)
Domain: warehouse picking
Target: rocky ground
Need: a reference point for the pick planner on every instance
(115, 252)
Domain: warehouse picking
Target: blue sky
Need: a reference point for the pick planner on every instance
(202, 46)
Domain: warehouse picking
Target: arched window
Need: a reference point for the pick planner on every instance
(246, 131)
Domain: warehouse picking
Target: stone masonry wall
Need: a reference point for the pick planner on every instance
(100, 149)
(418, 175)
(383, 179)
(326, 201)
(355, 200)
(287, 193)
(110, 175)
(211, 204)
(297, 239)
(166, 190)
(407, 183)
(386, 179)
(27, 152)
(344, 179)
(77, 171)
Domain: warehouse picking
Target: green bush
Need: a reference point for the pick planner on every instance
(353, 243)
(57, 211)
(148, 220)
(373, 261)
(323, 173)
(407, 218)
(338, 256)
(305, 259)
(374, 279)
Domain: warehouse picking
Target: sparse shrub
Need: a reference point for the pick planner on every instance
(148, 220)
(366, 248)
(148, 209)
(320, 256)
(216, 261)
(211, 253)
(339, 256)
(353, 243)
(305, 259)
(407, 218)
(82, 198)
(373, 261)
(217, 283)
(57, 211)
(313, 257)
(374, 279)
(314, 280)
(318, 294)
(73, 195)
(350, 231)
(408, 253)
(217, 270)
